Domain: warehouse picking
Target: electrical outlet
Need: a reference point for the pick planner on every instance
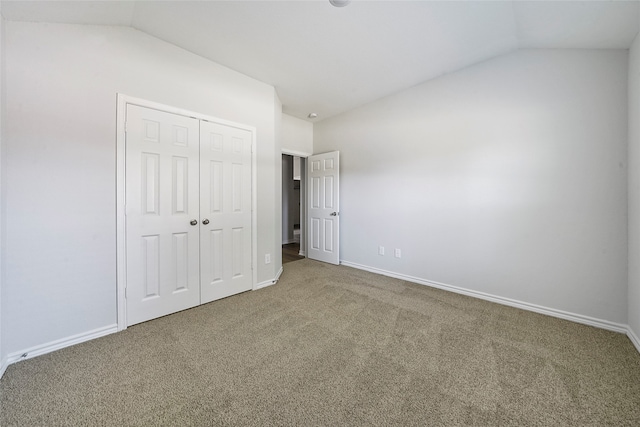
(380, 250)
(398, 253)
(267, 258)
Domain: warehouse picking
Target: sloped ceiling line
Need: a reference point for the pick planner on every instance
(330, 60)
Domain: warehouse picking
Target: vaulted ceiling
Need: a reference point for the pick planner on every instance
(328, 60)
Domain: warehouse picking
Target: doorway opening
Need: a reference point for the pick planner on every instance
(293, 208)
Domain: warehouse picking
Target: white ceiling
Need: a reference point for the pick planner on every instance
(328, 60)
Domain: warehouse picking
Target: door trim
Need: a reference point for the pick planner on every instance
(121, 254)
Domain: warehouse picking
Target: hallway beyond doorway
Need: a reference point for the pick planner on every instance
(291, 252)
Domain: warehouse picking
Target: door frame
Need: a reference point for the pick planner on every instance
(121, 235)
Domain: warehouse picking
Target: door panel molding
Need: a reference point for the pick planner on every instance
(121, 208)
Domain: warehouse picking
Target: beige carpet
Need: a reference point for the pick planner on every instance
(335, 346)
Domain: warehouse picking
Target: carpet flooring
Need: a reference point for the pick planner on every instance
(334, 346)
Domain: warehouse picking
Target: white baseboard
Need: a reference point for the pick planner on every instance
(264, 284)
(288, 241)
(61, 343)
(269, 282)
(302, 253)
(634, 338)
(4, 363)
(578, 318)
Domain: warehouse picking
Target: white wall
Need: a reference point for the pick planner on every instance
(634, 191)
(507, 178)
(3, 352)
(297, 136)
(287, 194)
(60, 163)
(276, 255)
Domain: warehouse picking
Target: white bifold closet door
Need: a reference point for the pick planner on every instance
(188, 212)
(225, 208)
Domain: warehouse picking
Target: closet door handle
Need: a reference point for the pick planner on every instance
(205, 222)
(193, 222)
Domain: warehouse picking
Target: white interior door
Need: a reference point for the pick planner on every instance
(323, 207)
(225, 208)
(162, 243)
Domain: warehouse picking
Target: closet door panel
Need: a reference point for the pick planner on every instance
(225, 206)
(162, 198)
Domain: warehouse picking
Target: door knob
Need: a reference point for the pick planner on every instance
(334, 214)
(205, 221)
(193, 222)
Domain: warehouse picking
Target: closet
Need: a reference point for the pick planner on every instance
(188, 221)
